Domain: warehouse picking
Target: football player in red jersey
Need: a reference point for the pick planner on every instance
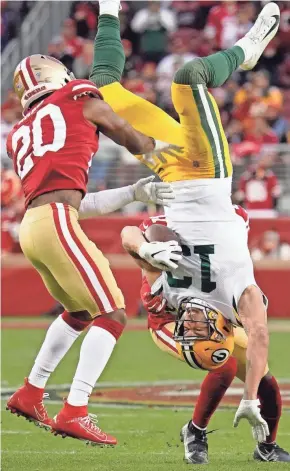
(52, 148)
(224, 356)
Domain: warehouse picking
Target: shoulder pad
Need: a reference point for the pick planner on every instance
(79, 88)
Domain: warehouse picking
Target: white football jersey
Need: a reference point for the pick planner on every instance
(216, 264)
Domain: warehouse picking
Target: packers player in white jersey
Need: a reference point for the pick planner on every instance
(197, 162)
(199, 335)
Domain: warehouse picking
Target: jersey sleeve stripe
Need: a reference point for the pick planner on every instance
(74, 252)
(86, 86)
(168, 341)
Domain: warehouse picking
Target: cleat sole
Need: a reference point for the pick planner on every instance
(87, 442)
(28, 418)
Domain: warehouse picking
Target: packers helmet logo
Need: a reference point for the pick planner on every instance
(219, 356)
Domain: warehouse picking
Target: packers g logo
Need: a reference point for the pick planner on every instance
(219, 356)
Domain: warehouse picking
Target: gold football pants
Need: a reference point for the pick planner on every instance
(73, 269)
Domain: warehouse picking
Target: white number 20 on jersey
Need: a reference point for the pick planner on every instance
(34, 138)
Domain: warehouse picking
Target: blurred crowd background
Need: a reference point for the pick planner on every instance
(158, 38)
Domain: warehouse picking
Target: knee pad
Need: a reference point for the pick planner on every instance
(191, 73)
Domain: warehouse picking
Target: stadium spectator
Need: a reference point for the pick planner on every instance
(284, 73)
(11, 191)
(271, 247)
(9, 118)
(83, 63)
(258, 90)
(186, 13)
(85, 16)
(133, 63)
(180, 54)
(10, 225)
(284, 29)
(260, 132)
(259, 190)
(279, 124)
(153, 23)
(229, 21)
(68, 45)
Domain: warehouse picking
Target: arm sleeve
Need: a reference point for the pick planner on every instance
(104, 202)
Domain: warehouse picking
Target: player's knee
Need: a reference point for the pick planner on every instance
(78, 321)
(113, 322)
(191, 73)
(119, 316)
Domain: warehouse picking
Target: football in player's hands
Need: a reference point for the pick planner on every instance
(163, 250)
(160, 233)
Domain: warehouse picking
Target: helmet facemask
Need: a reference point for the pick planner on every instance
(196, 320)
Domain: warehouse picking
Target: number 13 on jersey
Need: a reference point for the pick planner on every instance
(204, 252)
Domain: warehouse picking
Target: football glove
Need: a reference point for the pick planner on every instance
(162, 255)
(249, 409)
(154, 304)
(147, 191)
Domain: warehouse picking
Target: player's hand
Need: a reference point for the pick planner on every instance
(162, 255)
(249, 409)
(154, 304)
(147, 191)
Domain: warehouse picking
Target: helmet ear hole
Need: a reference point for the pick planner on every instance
(66, 80)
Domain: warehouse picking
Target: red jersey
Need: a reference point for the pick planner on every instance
(53, 146)
(259, 193)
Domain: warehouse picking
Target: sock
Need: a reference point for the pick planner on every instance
(271, 404)
(212, 391)
(109, 7)
(212, 71)
(109, 57)
(96, 350)
(59, 339)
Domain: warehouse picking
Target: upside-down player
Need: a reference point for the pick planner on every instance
(52, 148)
(216, 262)
(204, 339)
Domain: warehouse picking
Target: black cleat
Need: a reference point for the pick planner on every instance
(195, 444)
(271, 452)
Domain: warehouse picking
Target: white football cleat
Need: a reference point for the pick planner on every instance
(257, 39)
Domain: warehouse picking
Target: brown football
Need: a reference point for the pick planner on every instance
(159, 233)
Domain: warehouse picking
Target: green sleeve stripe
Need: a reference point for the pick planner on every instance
(214, 116)
(208, 127)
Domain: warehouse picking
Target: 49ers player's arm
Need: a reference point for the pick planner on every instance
(120, 131)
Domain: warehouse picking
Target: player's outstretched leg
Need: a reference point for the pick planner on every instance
(27, 401)
(214, 70)
(271, 405)
(74, 420)
(194, 434)
(109, 56)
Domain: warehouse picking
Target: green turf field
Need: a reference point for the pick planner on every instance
(148, 436)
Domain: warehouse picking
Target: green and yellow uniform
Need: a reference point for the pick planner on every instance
(197, 146)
